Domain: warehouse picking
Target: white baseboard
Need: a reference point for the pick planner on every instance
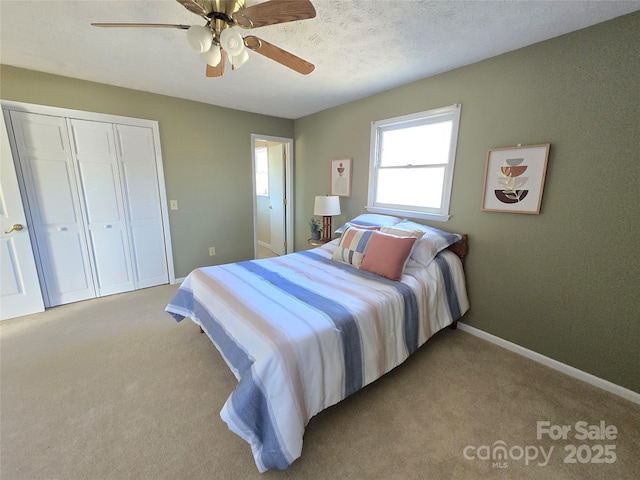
(556, 365)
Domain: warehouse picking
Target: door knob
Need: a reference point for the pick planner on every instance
(16, 226)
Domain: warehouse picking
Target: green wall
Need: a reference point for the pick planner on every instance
(564, 283)
(206, 152)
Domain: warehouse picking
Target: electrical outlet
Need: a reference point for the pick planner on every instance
(212, 251)
(173, 204)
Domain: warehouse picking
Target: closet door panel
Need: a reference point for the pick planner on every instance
(41, 134)
(142, 192)
(49, 179)
(69, 273)
(113, 272)
(148, 244)
(54, 191)
(61, 226)
(140, 180)
(104, 210)
(99, 182)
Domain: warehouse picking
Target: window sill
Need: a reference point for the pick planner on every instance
(436, 217)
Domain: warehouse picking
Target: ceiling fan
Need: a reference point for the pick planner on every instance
(217, 40)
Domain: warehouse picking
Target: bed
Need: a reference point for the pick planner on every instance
(303, 331)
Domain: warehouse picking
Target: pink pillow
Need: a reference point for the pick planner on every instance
(387, 255)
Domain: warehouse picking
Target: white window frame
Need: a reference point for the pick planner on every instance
(441, 214)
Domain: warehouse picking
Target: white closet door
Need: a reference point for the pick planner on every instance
(20, 292)
(142, 199)
(101, 193)
(45, 157)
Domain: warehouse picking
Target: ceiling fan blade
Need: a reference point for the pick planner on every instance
(141, 25)
(279, 55)
(274, 11)
(218, 70)
(193, 7)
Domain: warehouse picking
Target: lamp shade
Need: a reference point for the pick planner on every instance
(232, 42)
(200, 38)
(238, 60)
(327, 205)
(212, 56)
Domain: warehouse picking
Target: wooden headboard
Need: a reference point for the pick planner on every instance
(461, 248)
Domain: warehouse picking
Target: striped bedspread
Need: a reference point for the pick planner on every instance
(302, 332)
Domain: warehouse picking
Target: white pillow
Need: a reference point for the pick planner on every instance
(370, 220)
(432, 242)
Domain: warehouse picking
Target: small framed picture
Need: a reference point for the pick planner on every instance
(341, 177)
(514, 179)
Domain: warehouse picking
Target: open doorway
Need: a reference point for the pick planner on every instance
(272, 181)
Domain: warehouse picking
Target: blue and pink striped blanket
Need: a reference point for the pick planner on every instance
(302, 332)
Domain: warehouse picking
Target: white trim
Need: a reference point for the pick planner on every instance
(163, 201)
(556, 365)
(418, 116)
(71, 113)
(451, 113)
(178, 280)
(437, 217)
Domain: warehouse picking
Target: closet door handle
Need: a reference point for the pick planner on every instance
(16, 226)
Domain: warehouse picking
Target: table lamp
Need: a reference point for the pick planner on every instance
(326, 206)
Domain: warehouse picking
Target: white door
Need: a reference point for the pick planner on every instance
(143, 204)
(42, 142)
(277, 197)
(101, 196)
(19, 288)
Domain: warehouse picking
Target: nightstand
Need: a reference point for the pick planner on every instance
(317, 243)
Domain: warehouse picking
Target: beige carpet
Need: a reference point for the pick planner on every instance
(114, 388)
(264, 252)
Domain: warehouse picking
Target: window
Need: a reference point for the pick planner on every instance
(411, 164)
(262, 172)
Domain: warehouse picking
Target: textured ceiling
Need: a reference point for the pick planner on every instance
(359, 47)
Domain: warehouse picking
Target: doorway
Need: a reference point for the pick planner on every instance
(272, 186)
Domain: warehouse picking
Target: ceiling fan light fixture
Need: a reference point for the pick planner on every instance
(200, 38)
(238, 60)
(232, 42)
(212, 56)
(220, 32)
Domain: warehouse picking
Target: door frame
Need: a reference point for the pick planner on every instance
(288, 190)
(97, 117)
